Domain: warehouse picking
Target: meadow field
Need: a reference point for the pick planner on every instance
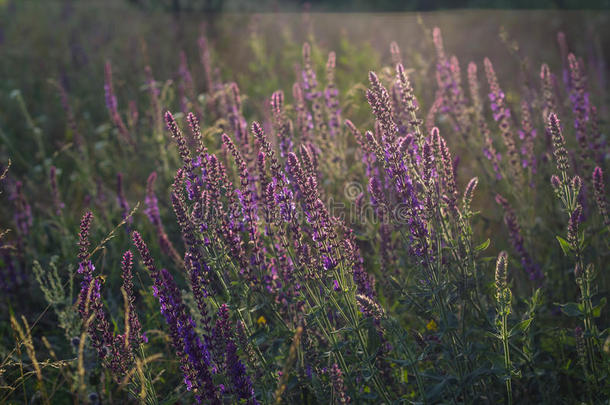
(303, 208)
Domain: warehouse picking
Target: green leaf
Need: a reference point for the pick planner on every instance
(520, 327)
(395, 283)
(493, 335)
(516, 373)
(597, 310)
(565, 246)
(571, 309)
(401, 362)
(435, 392)
(482, 246)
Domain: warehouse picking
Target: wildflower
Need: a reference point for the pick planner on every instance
(379, 99)
(85, 267)
(204, 52)
(516, 239)
(503, 293)
(469, 193)
(446, 168)
(308, 74)
(181, 142)
(559, 150)
(331, 94)
(339, 389)
(281, 124)
(409, 102)
(152, 212)
(473, 83)
(527, 134)
(304, 119)
(573, 224)
(556, 184)
(598, 143)
(23, 211)
(221, 333)
(576, 184)
(152, 206)
(83, 236)
(144, 253)
(154, 94)
(261, 320)
(450, 94)
(241, 383)
(502, 116)
(577, 271)
(369, 307)
(395, 51)
(548, 93)
(193, 354)
(185, 86)
(135, 330)
(580, 347)
(431, 326)
(600, 194)
(112, 106)
(580, 106)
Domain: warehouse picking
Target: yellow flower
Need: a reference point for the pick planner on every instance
(431, 325)
(261, 320)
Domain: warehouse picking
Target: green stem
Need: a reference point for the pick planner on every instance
(507, 363)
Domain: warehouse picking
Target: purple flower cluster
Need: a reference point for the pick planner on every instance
(115, 350)
(112, 105)
(404, 163)
(200, 358)
(502, 115)
(600, 194)
(516, 239)
(449, 80)
(338, 385)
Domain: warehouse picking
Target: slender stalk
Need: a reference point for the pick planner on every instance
(507, 362)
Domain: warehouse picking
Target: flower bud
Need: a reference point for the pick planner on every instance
(576, 184)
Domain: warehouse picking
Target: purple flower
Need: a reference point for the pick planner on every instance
(573, 224)
(338, 385)
(134, 335)
(23, 211)
(580, 107)
(190, 350)
(152, 206)
(516, 239)
(241, 383)
(502, 115)
(331, 95)
(559, 150)
(600, 194)
(112, 105)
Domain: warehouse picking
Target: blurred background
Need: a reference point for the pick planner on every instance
(42, 42)
(364, 5)
(50, 45)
